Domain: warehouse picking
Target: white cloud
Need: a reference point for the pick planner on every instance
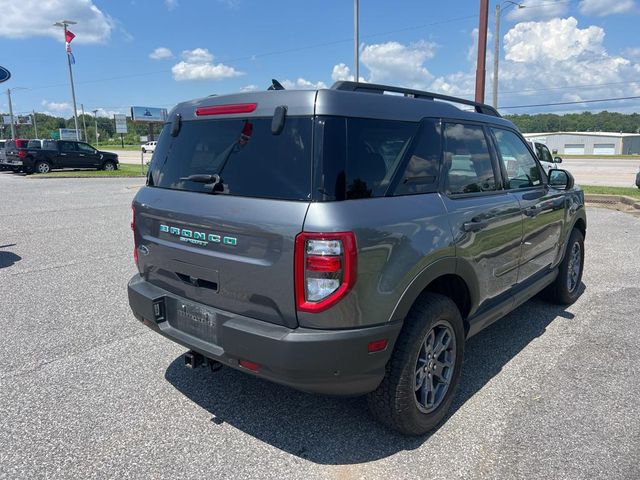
(342, 72)
(538, 10)
(197, 55)
(161, 53)
(35, 18)
(397, 63)
(605, 7)
(57, 106)
(302, 84)
(170, 4)
(198, 64)
(249, 88)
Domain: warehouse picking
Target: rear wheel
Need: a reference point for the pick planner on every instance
(42, 167)
(109, 166)
(423, 373)
(565, 290)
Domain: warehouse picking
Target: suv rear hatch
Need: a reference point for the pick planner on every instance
(224, 201)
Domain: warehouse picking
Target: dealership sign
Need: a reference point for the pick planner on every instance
(121, 122)
(4, 74)
(149, 114)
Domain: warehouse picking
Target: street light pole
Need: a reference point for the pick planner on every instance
(496, 48)
(35, 124)
(84, 123)
(64, 24)
(95, 115)
(356, 35)
(13, 127)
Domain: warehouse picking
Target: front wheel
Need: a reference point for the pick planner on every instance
(42, 167)
(565, 289)
(423, 373)
(109, 166)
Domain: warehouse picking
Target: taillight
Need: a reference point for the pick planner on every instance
(226, 109)
(22, 153)
(325, 269)
(133, 229)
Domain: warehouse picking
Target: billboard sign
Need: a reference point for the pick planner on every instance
(149, 114)
(121, 122)
(17, 119)
(4, 74)
(68, 134)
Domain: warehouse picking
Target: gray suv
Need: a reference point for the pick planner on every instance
(348, 241)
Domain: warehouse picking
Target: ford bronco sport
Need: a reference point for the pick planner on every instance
(345, 241)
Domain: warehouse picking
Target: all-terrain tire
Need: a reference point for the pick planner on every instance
(565, 289)
(395, 402)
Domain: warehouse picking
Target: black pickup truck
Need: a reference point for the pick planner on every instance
(44, 156)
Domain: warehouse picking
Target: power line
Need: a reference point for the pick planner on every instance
(571, 103)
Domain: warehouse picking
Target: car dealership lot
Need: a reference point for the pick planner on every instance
(86, 391)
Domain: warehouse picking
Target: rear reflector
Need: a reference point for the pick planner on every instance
(377, 345)
(254, 367)
(226, 109)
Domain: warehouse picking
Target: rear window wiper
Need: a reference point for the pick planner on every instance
(202, 178)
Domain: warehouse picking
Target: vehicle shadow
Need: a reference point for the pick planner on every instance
(8, 259)
(336, 431)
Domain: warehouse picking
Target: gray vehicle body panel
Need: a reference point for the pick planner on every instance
(404, 243)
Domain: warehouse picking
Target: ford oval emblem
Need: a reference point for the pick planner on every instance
(4, 74)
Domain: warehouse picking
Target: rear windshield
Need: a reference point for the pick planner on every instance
(10, 144)
(250, 160)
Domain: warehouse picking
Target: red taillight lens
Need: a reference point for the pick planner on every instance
(133, 228)
(377, 345)
(254, 367)
(226, 109)
(22, 153)
(325, 269)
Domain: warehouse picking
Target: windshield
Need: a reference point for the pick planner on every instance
(249, 159)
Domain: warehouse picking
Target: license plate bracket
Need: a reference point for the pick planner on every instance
(195, 319)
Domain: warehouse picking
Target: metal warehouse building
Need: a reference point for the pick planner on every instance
(589, 143)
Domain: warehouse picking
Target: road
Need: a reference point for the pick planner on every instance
(88, 392)
(613, 172)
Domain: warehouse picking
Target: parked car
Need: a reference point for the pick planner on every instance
(149, 147)
(344, 241)
(55, 154)
(638, 179)
(15, 152)
(3, 156)
(547, 161)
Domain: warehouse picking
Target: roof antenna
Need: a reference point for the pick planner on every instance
(275, 85)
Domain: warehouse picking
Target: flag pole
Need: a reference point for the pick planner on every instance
(64, 24)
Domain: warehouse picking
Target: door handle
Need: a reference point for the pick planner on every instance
(532, 211)
(63, 154)
(81, 155)
(474, 226)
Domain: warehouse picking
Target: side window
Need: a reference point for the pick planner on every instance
(84, 148)
(522, 169)
(68, 147)
(468, 167)
(420, 173)
(545, 154)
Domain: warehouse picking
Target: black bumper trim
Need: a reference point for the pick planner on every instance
(334, 362)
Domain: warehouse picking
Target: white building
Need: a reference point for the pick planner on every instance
(589, 143)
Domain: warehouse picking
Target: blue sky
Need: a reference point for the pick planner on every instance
(552, 50)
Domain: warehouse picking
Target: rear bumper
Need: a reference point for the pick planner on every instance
(334, 362)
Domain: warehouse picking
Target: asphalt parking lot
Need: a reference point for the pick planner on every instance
(88, 392)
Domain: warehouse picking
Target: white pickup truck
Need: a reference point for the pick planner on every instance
(547, 161)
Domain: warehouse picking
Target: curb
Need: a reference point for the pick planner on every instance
(612, 199)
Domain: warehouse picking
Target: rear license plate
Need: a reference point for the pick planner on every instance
(196, 320)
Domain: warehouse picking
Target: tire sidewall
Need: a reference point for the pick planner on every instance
(36, 168)
(575, 237)
(108, 162)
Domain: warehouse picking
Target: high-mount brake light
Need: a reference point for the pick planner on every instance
(226, 109)
(325, 269)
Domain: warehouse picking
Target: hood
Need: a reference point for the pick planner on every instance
(109, 155)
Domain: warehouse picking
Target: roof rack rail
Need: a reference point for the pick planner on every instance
(407, 92)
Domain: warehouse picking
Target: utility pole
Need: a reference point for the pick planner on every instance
(35, 123)
(64, 24)
(356, 41)
(84, 123)
(95, 115)
(482, 51)
(13, 127)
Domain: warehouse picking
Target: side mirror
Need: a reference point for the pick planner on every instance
(561, 179)
(557, 160)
